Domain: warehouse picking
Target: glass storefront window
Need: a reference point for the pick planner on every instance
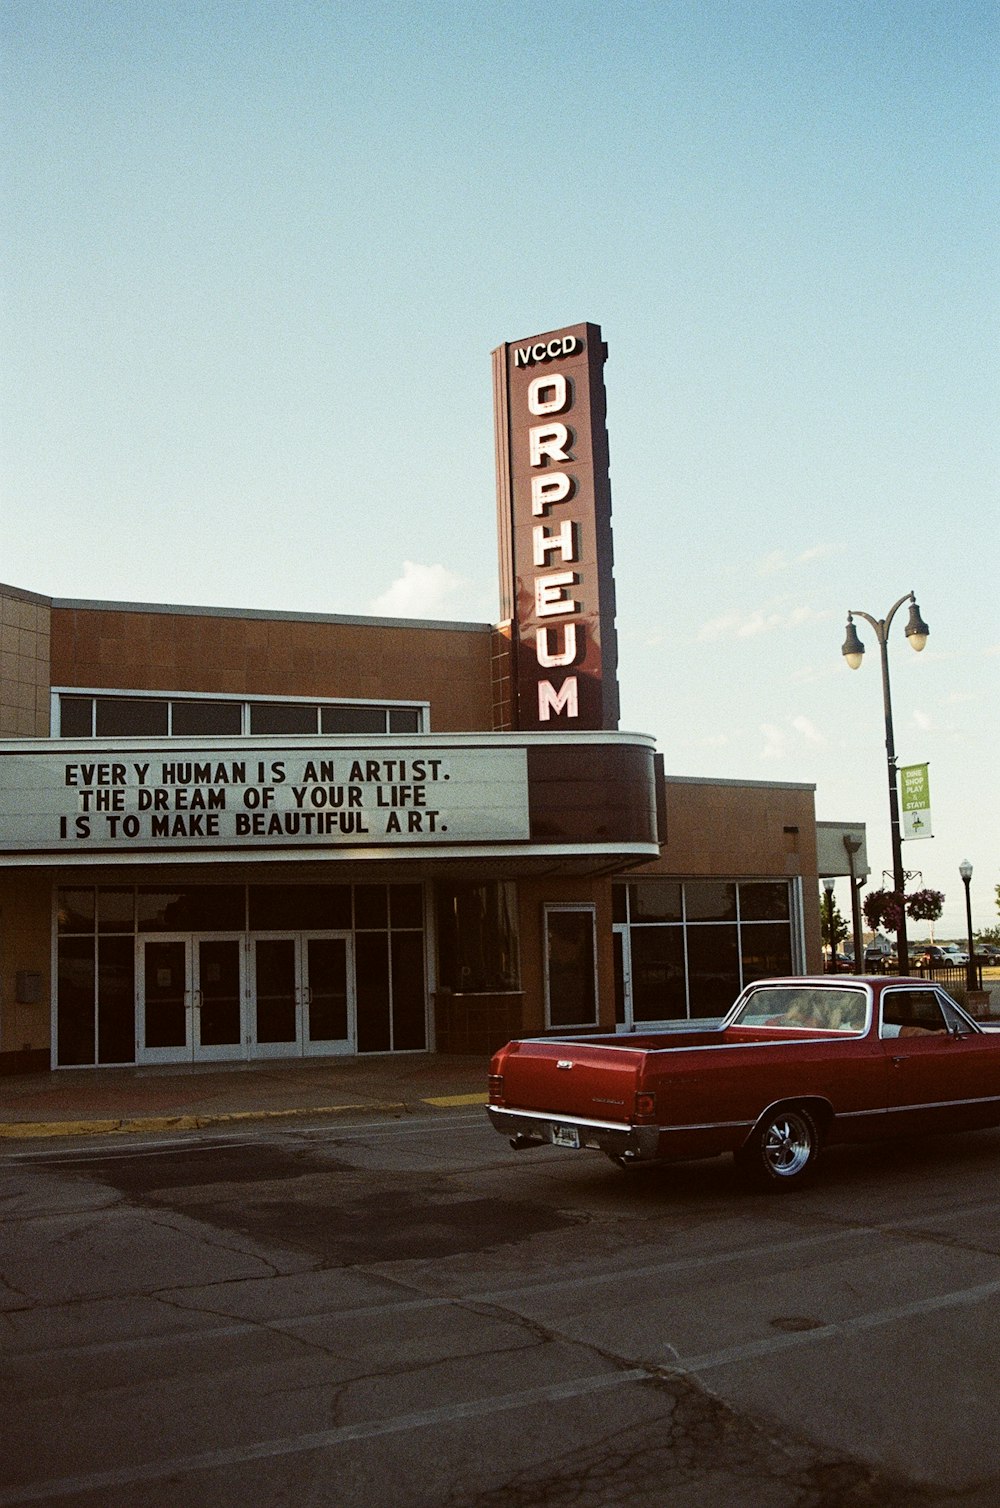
(406, 906)
(658, 989)
(191, 908)
(570, 966)
(116, 1000)
(713, 969)
(656, 901)
(201, 719)
(371, 906)
(760, 902)
(76, 717)
(710, 900)
(208, 717)
(697, 966)
(115, 910)
(478, 949)
(75, 1011)
(352, 719)
(767, 951)
(300, 908)
(283, 717)
(76, 910)
(130, 717)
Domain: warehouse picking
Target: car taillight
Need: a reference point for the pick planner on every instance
(496, 1088)
(645, 1106)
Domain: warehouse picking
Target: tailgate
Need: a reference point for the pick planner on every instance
(571, 1079)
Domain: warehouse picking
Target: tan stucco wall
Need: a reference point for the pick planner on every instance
(24, 664)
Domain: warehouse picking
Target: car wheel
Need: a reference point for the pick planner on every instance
(781, 1152)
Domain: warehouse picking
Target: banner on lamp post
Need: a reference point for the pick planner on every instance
(915, 801)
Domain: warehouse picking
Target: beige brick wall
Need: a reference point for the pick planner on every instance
(25, 622)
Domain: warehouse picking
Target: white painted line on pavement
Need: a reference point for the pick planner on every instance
(840, 1330)
(214, 1460)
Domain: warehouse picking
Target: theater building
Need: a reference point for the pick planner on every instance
(231, 835)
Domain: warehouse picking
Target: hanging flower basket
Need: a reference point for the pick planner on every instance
(884, 910)
(925, 905)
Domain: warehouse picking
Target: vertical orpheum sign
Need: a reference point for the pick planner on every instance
(554, 516)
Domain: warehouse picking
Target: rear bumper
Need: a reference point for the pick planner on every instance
(539, 1128)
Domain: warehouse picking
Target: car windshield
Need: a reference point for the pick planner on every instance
(809, 1007)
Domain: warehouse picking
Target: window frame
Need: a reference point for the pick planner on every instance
(387, 706)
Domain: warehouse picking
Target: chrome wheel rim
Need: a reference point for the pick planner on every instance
(787, 1145)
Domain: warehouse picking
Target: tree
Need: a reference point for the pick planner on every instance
(991, 934)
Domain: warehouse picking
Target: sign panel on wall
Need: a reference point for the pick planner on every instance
(83, 798)
(915, 801)
(554, 515)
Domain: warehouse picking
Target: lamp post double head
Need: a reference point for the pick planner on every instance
(853, 651)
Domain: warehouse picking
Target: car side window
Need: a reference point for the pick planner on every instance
(955, 1021)
(911, 1013)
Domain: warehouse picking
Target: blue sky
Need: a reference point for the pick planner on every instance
(258, 255)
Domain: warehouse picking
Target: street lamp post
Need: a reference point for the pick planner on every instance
(853, 845)
(965, 870)
(853, 651)
(828, 887)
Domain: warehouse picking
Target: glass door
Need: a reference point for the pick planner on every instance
(164, 1025)
(217, 1018)
(328, 993)
(275, 1024)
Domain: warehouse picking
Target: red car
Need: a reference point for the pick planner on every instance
(797, 1063)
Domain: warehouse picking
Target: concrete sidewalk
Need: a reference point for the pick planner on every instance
(88, 1102)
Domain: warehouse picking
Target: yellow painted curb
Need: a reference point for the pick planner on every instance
(12, 1130)
(449, 1100)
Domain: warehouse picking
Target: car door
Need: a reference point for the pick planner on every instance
(943, 1073)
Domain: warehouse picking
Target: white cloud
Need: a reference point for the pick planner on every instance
(780, 560)
(808, 730)
(779, 741)
(760, 621)
(423, 591)
(775, 742)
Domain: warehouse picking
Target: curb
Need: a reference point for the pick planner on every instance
(26, 1130)
(14, 1130)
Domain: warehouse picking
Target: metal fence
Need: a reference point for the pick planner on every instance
(953, 974)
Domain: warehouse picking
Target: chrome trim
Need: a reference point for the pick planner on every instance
(557, 1119)
(622, 1141)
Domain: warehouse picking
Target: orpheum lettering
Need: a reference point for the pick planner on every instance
(550, 443)
(556, 552)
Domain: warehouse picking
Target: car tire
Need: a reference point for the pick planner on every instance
(781, 1151)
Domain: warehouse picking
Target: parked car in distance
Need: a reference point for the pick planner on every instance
(934, 957)
(956, 955)
(988, 954)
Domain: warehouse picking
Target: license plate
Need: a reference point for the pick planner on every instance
(565, 1136)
